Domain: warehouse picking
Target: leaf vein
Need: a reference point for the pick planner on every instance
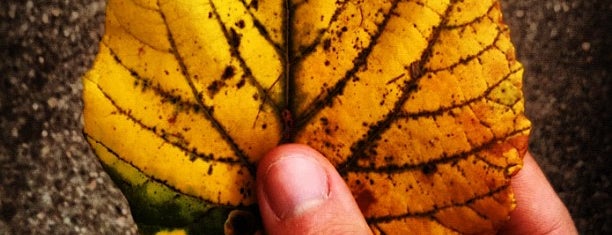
(151, 177)
(445, 109)
(417, 69)
(436, 209)
(444, 159)
(235, 52)
(125, 29)
(325, 99)
(307, 50)
(475, 20)
(153, 129)
(216, 124)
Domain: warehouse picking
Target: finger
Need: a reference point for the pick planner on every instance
(300, 192)
(539, 210)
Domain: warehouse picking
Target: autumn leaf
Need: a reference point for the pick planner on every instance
(417, 103)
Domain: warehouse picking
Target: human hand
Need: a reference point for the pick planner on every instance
(300, 192)
(539, 209)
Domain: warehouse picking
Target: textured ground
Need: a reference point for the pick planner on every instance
(51, 183)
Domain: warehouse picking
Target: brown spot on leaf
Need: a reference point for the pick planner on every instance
(228, 72)
(326, 44)
(240, 24)
(172, 119)
(241, 83)
(214, 88)
(365, 198)
(324, 121)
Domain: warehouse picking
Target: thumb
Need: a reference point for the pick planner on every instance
(300, 192)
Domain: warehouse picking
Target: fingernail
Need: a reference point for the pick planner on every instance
(295, 184)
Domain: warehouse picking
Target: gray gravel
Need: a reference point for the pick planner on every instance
(51, 183)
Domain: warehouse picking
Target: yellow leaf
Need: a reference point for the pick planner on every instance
(417, 103)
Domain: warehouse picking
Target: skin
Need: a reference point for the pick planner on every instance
(539, 210)
(322, 203)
